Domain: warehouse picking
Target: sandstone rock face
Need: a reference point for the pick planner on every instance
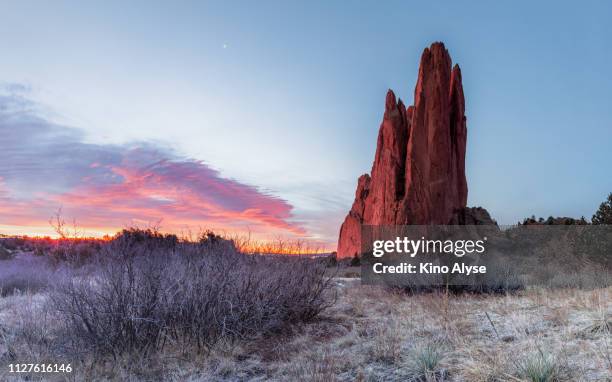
(418, 175)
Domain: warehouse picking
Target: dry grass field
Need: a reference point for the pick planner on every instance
(146, 307)
(372, 334)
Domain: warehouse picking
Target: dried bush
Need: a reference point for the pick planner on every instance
(23, 276)
(20, 284)
(12, 243)
(73, 251)
(142, 297)
(5, 254)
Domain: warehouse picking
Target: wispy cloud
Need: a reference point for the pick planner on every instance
(44, 165)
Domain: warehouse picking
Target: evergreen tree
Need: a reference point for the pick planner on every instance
(604, 213)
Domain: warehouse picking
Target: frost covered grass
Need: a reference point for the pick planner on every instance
(141, 299)
(368, 333)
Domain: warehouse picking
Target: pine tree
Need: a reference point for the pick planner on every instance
(604, 213)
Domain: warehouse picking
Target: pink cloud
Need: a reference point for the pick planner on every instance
(109, 187)
(182, 193)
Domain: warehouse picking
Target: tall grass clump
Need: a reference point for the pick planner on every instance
(147, 293)
(539, 367)
(426, 362)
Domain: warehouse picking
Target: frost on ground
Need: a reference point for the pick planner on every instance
(376, 335)
(369, 334)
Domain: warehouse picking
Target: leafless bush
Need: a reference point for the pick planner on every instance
(23, 275)
(143, 297)
(73, 251)
(12, 243)
(76, 251)
(5, 254)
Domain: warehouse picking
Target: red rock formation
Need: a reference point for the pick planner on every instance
(418, 175)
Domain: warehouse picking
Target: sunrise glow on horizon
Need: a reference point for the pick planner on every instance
(102, 189)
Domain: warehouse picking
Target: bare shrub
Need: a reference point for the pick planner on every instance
(23, 276)
(5, 254)
(76, 252)
(143, 297)
(12, 243)
(20, 284)
(34, 336)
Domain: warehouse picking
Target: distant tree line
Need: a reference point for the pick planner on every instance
(603, 215)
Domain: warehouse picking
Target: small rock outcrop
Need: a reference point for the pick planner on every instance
(472, 216)
(418, 175)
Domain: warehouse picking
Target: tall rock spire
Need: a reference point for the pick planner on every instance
(418, 175)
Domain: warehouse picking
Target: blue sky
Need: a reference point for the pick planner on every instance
(286, 98)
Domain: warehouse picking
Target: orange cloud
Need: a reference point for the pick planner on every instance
(109, 187)
(182, 193)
